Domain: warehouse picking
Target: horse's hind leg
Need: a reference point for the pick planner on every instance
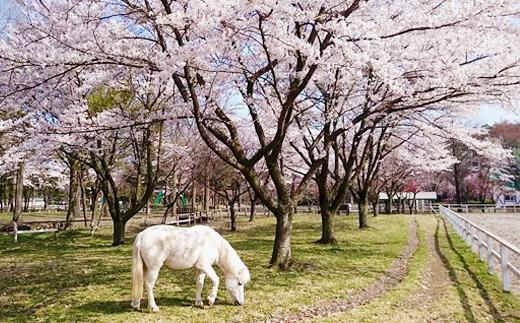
(150, 277)
(198, 292)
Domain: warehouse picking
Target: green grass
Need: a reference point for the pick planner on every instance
(472, 295)
(34, 216)
(79, 278)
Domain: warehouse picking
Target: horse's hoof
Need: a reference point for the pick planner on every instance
(136, 306)
(154, 309)
(199, 304)
(211, 301)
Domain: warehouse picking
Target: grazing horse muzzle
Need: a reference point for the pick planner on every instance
(237, 302)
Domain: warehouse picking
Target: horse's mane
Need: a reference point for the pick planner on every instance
(229, 261)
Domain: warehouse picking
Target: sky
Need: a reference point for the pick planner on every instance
(491, 114)
(487, 115)
(7, 12)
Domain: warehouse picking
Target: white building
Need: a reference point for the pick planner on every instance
(507, 198)
(423, 200)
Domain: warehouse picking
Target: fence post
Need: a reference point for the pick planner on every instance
(468, 233)
(474, 240)
(490, 254)
(15, 231)
(505, 268)
(481, 246)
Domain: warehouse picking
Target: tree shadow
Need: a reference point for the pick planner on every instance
(468, 313)
(106, 307)
(115, 307)
(453, 277)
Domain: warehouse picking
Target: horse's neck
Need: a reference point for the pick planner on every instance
(229, 261)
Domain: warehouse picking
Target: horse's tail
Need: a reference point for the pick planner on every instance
(137, 272)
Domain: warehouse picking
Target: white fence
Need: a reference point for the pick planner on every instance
(486, 244)
(482, 208)
(17, 232)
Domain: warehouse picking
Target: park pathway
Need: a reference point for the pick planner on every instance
(386, 282)
(433, 280)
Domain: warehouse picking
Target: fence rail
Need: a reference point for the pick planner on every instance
(15, 233)
(469, 208)
(486, 244)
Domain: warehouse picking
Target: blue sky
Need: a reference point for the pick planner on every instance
(7, 11)
(491, 114)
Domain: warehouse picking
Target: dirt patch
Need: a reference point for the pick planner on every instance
(387, 281)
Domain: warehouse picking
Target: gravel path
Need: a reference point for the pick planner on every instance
(505, 226)
(387, 281)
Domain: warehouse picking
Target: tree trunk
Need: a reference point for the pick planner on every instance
(18, 199)
(77, 202)
(174, 195)
(74, 193)
(412, 206)
(45, 199)
(83, 198)
(281, 255)
(252, 211)
(194, 198)
(232, 215)
(239, 200)
(252, 200)
(327, 230)
(375, 206)
(389, 203)
(206, 195)
(26, 199)
(363, 211)
(119, 232)
(458, 188)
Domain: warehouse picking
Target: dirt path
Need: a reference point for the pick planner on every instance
(434, 279)
(387, 281)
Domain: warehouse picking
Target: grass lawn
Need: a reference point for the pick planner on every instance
(34, 216)
(471, 294)
(79, 278)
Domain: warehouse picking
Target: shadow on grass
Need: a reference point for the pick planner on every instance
(106, 307)
(468, 313)
(115, 307)
(481, 288)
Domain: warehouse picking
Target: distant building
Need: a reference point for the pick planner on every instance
(423, 200)
(507, 198)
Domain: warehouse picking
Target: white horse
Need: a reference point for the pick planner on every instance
(198, 247)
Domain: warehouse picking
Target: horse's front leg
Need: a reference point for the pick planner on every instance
(212, 275)
(198, 292)
(150, 278)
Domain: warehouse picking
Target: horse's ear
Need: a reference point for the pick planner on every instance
(244, 276)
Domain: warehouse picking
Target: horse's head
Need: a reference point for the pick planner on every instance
(235, 285)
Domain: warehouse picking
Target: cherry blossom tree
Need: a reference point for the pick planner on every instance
(246, 71)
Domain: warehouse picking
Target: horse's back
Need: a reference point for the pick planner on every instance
(179, 248)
